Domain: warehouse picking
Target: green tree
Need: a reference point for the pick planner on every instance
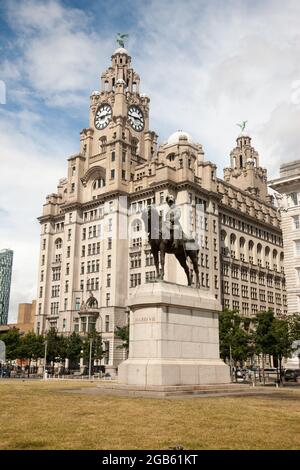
(74, 345)
(56, 346)
(235, 337)
(122, 332)
(12, 342)
(97, 348)
(31, 347)
(264, 336)
(283, 340)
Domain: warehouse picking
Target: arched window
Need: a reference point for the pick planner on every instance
(171, 157)
(58, 243)
(242, 248)
(259, 254)
(136, 225)
(99, 183)
(106, 85)
(233, 245)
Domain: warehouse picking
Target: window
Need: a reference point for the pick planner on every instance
(293, 199)
(109, 243)
(65, 304)
(41, 292)
(297, 247)
(73, 170)
(99, 183)
(135, 260)
(68, 251)
(298, 275)
(135, 279)
(67, 286)
(58, 243)
(109, 261)
(149, 259)
(43, 260)
(109, 225)
(42, 276)
(72, 187)
(77, 303)
(83, 250)
(108, 280)
(106, 323)
(113, 156)
(161, 198)
(83, 233)
(107, 299)
(112, 174)
(296, 222)
(64, 324)
(69, 234)
(123, 174)
(106, 352)
(150, 276)
(44, 244)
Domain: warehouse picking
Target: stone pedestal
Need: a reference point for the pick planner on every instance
(174, 338)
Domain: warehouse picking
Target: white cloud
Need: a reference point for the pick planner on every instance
(61, 54)
(211, 68)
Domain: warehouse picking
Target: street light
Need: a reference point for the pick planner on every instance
(90, 359)
(45, 358)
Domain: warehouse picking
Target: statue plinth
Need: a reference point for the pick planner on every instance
(174, 337)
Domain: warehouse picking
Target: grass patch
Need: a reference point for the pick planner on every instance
(44, 415)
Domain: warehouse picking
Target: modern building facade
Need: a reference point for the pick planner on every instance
(288, 197)
(92, 236)
(6, 261)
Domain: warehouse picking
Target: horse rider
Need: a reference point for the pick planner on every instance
(173, 225)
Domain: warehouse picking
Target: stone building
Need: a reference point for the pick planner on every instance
(6, 260)
(288, 196)
(92, 237)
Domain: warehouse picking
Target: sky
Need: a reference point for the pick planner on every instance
(206, 65)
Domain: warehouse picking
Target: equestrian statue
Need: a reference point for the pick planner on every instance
(168, 237)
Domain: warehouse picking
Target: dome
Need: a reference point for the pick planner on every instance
(174, 138)
(121, 50)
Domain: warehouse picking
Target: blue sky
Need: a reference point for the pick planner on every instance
(205, 65)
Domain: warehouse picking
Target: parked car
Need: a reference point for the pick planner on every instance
(291, 374)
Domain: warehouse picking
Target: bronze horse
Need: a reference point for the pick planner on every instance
(160, 244)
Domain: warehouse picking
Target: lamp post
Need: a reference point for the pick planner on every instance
(45, 358)
(90, 359)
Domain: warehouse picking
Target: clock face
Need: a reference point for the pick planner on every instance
(136, 118)
(103, 116)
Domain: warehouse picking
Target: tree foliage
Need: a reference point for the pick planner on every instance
(235, 338)
(122, 332)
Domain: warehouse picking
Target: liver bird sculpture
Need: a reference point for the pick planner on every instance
(242, 125)
(121, 39)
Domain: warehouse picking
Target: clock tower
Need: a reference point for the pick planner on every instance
(118, 137)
